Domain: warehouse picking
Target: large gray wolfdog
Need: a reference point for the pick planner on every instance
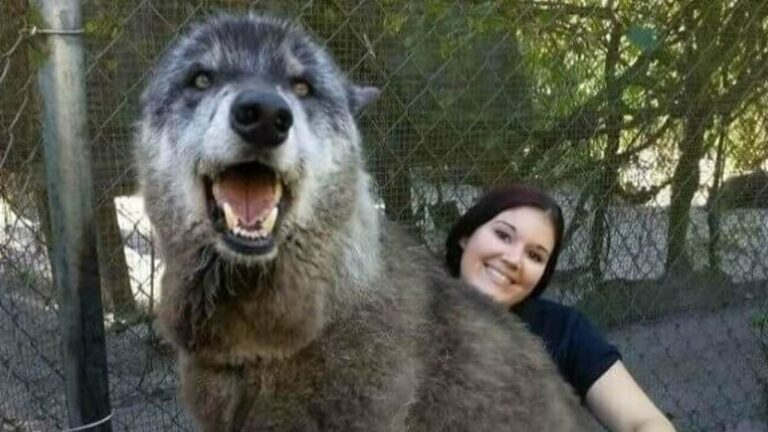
(290, 304)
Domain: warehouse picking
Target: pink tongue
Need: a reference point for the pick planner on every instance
(250, 195)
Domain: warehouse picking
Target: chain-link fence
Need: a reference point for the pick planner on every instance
(647, 120)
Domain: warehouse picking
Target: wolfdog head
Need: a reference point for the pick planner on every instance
(247, 137)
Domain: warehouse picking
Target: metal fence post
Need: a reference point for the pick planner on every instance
(67, 161)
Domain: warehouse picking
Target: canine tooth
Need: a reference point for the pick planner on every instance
(269, 222)
(230, 216)
(278, 191)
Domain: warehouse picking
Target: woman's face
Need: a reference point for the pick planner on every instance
(506, 257)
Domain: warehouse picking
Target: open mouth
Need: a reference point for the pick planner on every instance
(244, 204)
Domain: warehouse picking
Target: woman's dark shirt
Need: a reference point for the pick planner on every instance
(581, 352)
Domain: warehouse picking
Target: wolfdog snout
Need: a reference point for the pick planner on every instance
(261, 118)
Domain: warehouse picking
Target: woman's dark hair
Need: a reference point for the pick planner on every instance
(490, 205)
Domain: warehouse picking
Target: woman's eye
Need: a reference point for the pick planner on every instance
(503, 235)
(202, 81)
(301, 88)
(536, 257)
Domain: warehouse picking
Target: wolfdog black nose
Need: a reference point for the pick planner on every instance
(261, 118)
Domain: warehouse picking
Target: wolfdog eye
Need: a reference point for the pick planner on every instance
(201, 81)
(301, 88)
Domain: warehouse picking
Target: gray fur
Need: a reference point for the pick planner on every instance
(345, 325)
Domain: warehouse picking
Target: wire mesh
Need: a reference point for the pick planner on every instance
(645, 119)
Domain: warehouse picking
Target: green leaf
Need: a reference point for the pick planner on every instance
(760, 321)
(644, 38)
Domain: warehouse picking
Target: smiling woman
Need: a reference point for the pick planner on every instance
(506, 257)
(506, 246)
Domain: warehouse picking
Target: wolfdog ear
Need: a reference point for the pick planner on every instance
(361, 97)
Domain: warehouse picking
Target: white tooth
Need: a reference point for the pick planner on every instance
(278, 191)
(269, 223)
(230, 216)
(499, 276)
(247, 233)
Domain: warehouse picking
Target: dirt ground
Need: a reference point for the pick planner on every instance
(702, 369)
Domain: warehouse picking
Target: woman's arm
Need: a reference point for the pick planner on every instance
(619, 403)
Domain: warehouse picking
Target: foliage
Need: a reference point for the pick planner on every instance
(520, 91)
